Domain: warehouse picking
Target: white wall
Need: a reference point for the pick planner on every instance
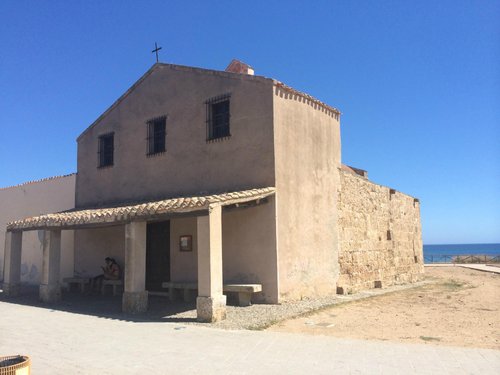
(307, 156)
(92, 246)
(32, 199)
(183, 264)
(248, 249)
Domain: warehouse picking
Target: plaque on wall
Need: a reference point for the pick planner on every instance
(186, 243)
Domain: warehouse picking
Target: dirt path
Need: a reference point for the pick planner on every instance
(461, 308)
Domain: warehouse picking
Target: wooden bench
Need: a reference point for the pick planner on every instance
(80, 281)
(114, 283)
(244, 291)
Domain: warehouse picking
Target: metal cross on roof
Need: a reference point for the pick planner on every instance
(156, 51)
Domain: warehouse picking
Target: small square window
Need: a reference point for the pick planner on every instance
(157, 132)
(106, 150)
(218, 117)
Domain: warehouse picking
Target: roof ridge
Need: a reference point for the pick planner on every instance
(119, 100)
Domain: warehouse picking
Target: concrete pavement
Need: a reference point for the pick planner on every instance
(472, 266)
(61, 342)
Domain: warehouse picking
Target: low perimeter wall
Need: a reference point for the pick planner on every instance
(380, 235)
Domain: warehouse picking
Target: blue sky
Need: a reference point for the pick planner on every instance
(418, 84)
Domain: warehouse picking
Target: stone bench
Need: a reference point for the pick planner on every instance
(244, 291)
(188, 289)
(80, 281)
(114, 283)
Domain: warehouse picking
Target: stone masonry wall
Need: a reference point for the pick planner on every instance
(380, 235)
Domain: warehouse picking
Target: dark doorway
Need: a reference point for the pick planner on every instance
(157, 255)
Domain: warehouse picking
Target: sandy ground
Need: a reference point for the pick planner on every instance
(461, 308)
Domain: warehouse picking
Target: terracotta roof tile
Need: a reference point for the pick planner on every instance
(137, 212)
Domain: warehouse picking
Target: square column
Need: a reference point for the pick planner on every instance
(12, 263)
(135, 296)
(50, 289)
(211, 303)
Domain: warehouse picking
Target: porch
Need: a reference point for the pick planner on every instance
(205, 211)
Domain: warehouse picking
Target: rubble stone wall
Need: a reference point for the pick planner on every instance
(380, 235)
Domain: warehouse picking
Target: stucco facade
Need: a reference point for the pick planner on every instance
(279, 137)
(267, 203)
(190, 165)
(307, 159)
(31, 199)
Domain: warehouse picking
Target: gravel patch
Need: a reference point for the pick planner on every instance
(261, 316)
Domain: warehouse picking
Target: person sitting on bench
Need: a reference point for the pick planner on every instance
(111, 272)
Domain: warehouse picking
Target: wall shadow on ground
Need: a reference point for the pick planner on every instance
(161, 309)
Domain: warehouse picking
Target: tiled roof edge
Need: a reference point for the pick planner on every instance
(75, 218)
(305, 96)
(37, 181)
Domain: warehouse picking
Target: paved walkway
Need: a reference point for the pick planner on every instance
(478, 267)
(61, 342)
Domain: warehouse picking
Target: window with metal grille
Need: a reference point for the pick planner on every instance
(218, 117)
(157, 132)
(106, 150)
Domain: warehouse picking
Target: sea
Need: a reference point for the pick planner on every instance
(445, 253)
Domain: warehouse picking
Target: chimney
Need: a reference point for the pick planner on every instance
(237, 66)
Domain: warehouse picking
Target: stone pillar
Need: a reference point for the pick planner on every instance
(50, 289)
(135, 296)
(211, 303)
(12, 263)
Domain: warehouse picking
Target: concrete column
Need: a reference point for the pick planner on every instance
(12, 263)
(211, 303)
(135, 296)
(50, 289)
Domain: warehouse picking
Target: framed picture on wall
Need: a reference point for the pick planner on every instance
(186, 242)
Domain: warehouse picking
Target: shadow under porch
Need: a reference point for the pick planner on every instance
(207, 212)
(160, 309)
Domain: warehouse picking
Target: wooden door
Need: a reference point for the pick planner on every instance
(157, 255)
